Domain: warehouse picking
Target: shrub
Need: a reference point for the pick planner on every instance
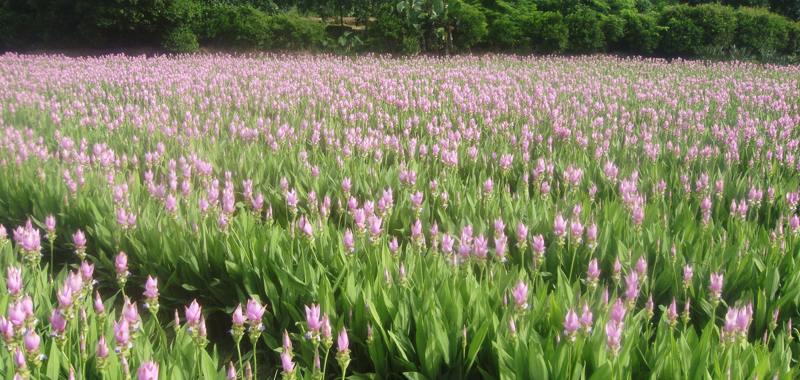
(758, 29)
(641, 33)
(385, 33)
(249, 29)
(470, 26)
(688, 29)
(239, 27)
(548, 32)
(585, 31)
(410, 45)
(793, 38)
(504, 31)
(181, 40)
(294, 32)
(613, 29)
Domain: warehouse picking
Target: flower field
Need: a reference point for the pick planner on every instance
(218, 217)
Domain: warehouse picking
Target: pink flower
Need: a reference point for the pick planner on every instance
(447, 243)
(121, 262)
(151, 287)
(122, 332)
(32, 341)
(255, 311)
(6, 329)
(325, 330)
(480, 246)
(522, 232)
(586, 317)
(291, 199)
(488, 185)
(148, 371)
(716, 285)
(499, 226)
(593, 272)
(287, 343)
(560, 226)
(286, 361)
(538, 244)
(343, 340)
(19, 359)
(520, 294)
(416, 199)
(571, 324)
(312, 318)
(58, 322)
(87, 270)
(394, 245)
(231, 375)
(500, 247)
(672, 311)
(50, 223)
(193, 313)
(14, 280)
(576, 230)
(238, 317)
(74, 282)
(102, 347)
(98, 303)
(641, 266)
(633, 286)
(130, 312)
(591, 233)
(613, 337)
(618, 312)
(64, 296)
(171, 204)
(349, 242)
(375, 226)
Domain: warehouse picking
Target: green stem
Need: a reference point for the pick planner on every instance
(255, 360)
(325, 365)
(239, 350)
(51, 258)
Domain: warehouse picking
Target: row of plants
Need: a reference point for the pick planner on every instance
(409, 27)
(497, 217)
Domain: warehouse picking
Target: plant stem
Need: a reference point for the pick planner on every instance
(255, 360)
(239, 350)
(325, 365)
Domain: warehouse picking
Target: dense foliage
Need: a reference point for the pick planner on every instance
(734, 29)
(473, 217)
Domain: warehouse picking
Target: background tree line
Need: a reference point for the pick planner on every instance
(763, 29)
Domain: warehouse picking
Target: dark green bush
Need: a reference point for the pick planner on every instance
(181, 40)
(585, 31)
(385, 34)
(689, 29)
(410, 45)
(14, 30)
(470, 26)
(641, 33)
(614, 30)
(249, 28)
(549, 32)
(758, 29)
(504, 31)
(294, 32)
(793, 41)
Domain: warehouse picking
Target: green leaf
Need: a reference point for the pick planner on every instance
(53, 361)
